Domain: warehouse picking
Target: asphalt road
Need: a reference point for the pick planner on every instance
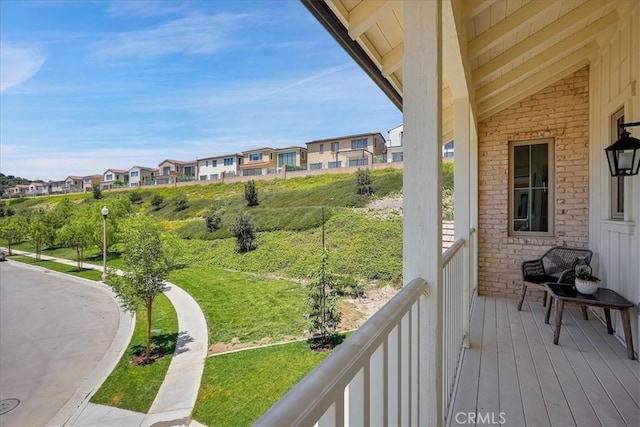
(53, 333)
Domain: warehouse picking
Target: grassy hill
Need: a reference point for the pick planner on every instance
(288, 220)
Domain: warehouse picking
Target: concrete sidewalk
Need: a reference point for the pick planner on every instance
(177, 395)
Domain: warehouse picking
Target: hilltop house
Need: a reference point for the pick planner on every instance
(138, 175)
(38, 188)
(90, 181)
(73, 184)
(171, 171)
(532, 92)
(216, 167)
(395, 144)
(292, 158)
(17, 190)
(114, 178)
(57, 187)
(261, 161)
(353, 150)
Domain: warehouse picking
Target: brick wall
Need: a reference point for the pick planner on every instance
(560, 111)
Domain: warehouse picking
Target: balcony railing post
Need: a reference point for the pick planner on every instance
(466, 285)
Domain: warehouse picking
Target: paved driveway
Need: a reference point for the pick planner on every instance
(53, 333)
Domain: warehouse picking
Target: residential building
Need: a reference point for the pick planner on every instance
(90, 181)
(38, 188)
(73, 184)
(138, 175)
(171, 171)
(216, 167)
(114, 178)
(447, 150)
(395, 146)
(353, 150)
(261, 161)
(292, 158)
(57, 187)
(17, 191)
(533, 93)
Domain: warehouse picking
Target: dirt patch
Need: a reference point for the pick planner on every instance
(140, 359)
(235, 344)
(384, 208)
(372, 301)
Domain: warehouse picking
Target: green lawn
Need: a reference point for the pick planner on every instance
(135, 387)
(243, 306)
(237, 388)
(63, 268)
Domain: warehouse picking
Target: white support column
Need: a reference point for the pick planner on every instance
(422, 249)
(473, 195)
(462, 195)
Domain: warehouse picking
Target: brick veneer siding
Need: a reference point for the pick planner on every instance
(560, 111)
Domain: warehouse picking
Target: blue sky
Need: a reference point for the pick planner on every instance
(91, 85)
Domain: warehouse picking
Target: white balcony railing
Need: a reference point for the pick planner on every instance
(373, 377)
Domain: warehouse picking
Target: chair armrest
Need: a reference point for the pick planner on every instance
(533, 267)
(567, 277)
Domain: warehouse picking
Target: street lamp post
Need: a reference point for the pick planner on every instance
(105, 212)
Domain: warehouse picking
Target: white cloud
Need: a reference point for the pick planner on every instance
(196, 35)
(18, 63)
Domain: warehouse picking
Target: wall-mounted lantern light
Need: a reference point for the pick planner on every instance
(624, 154)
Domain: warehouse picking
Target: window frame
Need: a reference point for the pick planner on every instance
(335, 147)
(615, 203)
(551, 186)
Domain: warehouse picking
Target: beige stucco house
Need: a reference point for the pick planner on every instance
(171, 171)
(352, 150)
(260, 161)
(532, 93)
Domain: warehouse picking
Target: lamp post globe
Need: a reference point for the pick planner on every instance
(105, 213)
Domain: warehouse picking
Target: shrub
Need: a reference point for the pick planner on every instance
(251, 193)
(157, 201)
(135, 197)
(213, 221)
(181, 201)
(364, 183)
(322, 299)
(244, 233)
(97, 193)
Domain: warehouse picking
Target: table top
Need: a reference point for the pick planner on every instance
(602, 297)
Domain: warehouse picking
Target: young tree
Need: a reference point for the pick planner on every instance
(13, 230)
(322, 300)
(244, 233)
(3, 206)
(157, 201)
(364, 182)
(251, 193)
(181, 201)
(40, 234)
(97, 193)
(135, 197)
(77, 234)
(147, 269)
(212, 220)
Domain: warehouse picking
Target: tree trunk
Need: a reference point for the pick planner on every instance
(78, 259)
(149, 307)
(9, 247)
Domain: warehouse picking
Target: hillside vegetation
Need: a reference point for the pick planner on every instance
(288, 220)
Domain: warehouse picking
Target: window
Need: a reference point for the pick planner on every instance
(189, 171)
(397, 157)
(321, 148)
(287, 159)
(333, 165)
(358, 144)
(228, 161)
(270, 156)
(315, 166)
(177, 168)
(203, 177)
(251, 172)
(166, 170)
(214, 163)
(213, 176)
(302, 154)
(254, 157)
(109, 177)
(358, 162)
(133, 174)
(447, 149)
(531, 187)
(335, 146)
(617, 182)
(206, 162)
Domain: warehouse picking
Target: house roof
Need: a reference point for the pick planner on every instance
(496, 53)
(115, 171)
(345, 137)
(291, 147)
(97, 175)
(177, 162)
(73, 177)
(141, 168)
(220, 157)
(258, 149)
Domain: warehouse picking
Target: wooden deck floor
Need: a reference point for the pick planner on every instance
(513, 367)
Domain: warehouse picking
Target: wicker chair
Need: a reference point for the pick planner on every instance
(556, 265)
